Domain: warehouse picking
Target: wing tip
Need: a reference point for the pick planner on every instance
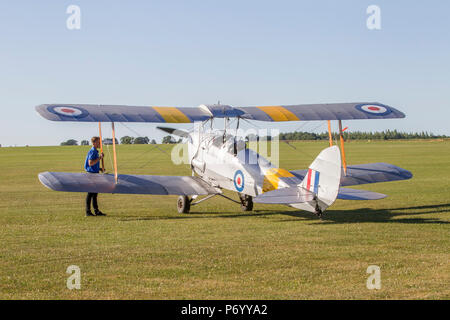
(42, 109)
(43, 178)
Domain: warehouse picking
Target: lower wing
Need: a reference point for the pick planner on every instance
(356, 194)
(128, 184)
(367, 173)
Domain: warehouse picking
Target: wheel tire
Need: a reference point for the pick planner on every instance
(183, 204)
(246, 203)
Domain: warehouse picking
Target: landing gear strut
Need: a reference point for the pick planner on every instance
(184, 203)
(246, 202)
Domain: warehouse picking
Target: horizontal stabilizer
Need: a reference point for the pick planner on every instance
(367, 173)
(285, 196)
(128, 184)
(355, 194)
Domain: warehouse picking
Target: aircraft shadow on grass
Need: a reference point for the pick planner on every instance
(361, 215)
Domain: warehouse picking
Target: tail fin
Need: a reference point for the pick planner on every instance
(323, 179)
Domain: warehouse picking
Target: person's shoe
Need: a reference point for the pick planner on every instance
(99, 213)
(89, 214)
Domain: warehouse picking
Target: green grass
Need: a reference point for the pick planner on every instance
(144, 249)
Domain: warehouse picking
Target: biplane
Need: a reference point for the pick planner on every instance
(220, 160)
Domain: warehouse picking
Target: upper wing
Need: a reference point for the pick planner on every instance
(112, 113)
(367, 173)
(306, 112)
(129, 184)
(332, 111)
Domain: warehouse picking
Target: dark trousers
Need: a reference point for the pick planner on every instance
(91, 197)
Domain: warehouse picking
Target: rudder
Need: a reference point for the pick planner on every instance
(323, 179)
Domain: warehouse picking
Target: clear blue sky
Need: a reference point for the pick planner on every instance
(186, 53)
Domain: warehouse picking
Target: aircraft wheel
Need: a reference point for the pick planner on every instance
(183, 204)
(246, 203)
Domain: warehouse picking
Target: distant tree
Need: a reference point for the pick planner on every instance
(127, 140)
(168, 139)
(84, 143)
(141, 140)
(70, 142)
(153, 141)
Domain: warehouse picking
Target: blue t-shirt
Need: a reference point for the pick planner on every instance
(92, 155)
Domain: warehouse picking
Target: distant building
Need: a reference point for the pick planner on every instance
(109, 141)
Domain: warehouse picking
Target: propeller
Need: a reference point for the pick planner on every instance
(177, 132)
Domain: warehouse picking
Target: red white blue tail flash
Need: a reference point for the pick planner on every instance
(312, 181)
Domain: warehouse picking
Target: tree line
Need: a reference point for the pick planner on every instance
(296, 135)
(123, 140)
(361, 135)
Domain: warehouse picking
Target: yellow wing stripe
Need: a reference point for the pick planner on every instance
(172, 115)
(282, 173)
(279, 113)
(270, 183)
(272, 177)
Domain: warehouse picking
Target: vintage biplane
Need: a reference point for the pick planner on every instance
(220, 160)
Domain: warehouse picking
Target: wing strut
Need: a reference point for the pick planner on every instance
(101, 145)
(341, 136)
(114, 151)
(330, 136)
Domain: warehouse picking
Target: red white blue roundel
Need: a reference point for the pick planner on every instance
(239, 180)
(68, 111)
(374, 109)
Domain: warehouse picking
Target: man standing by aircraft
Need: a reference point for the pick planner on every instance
(92, 165)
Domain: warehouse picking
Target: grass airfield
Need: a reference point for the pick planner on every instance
(144, 249)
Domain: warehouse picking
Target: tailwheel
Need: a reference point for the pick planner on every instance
(246, 202)
(183, 204)
(318, 211)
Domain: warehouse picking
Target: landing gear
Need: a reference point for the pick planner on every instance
(183, 204)
(246, 202)
(318, 211)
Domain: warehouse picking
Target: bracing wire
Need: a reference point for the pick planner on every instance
(109, 156)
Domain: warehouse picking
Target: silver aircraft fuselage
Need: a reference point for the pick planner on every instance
(226, 162)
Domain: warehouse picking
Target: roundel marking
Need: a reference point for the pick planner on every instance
(239, 180)
(374, 109)
(68, 111)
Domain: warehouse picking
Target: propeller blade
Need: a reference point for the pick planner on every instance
(176, 132)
